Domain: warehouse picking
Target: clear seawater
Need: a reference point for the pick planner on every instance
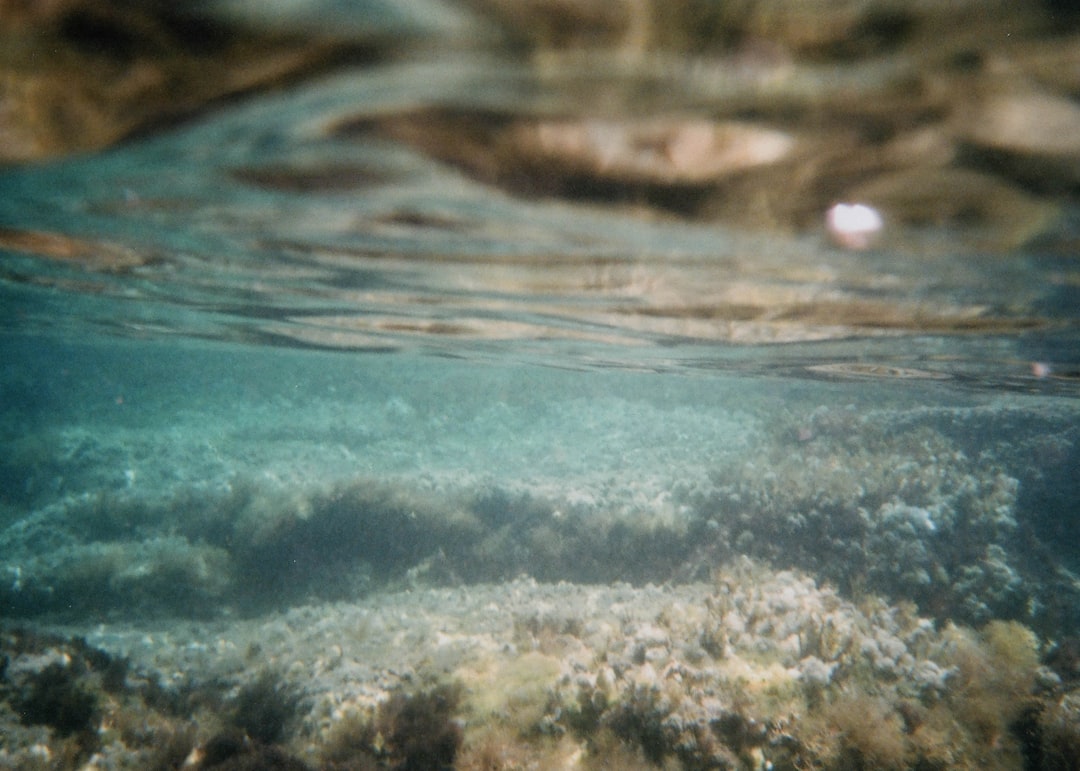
(253, 306)
(256, 296)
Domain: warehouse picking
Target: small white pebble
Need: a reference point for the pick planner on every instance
(853, 225)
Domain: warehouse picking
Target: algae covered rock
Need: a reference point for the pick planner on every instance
(868, 509)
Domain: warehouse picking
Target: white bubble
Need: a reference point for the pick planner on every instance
(853, 225)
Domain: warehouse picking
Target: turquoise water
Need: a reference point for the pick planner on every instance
(267, 358)
(227, 459)
(262, 304)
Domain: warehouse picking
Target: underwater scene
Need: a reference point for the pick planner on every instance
(536, 385)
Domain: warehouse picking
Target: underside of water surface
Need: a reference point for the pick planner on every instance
(540, 385)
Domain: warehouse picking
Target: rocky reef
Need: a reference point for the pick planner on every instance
(741, 587)
(757, 669)
(958, 510)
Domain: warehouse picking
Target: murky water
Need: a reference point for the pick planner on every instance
(467, 314)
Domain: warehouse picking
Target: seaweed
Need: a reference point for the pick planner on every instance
(410, 732)
(232, 751)
(56, 698)
(351, 744)
(1064, 659)
(1058, 736)
(172, 747)
(263, 709)
(420, 731)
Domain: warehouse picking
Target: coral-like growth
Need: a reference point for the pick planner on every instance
(905, 513)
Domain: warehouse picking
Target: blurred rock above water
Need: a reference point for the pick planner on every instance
(960, 115)
(760, 113)
(80, 75)
(953, 126)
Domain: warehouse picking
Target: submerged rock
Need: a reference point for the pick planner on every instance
(756, 667)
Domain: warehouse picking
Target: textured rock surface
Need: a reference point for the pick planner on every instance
(756, 669)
